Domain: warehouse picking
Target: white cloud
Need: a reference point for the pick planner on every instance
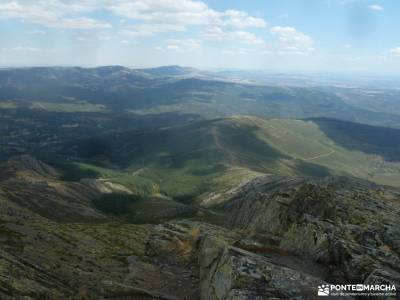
(290, 40)
(241, 20)
(236, 52)
(180, 45)
(78, 23)
(183, 13)
(375, 7)
(86, 36)
(185, 43)
(217, 34)
(172, 47)
(193, 23)
(394, 52)
(37, 32)
(49, 14)
(179, 13)
(151, 29)
(21, 49)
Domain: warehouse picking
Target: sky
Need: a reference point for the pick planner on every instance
(285, 35)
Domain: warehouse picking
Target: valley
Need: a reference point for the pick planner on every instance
(199, 150)
(177, 183)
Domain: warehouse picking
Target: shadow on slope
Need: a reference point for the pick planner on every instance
(187, 161)
(365, 138)
(214, 144)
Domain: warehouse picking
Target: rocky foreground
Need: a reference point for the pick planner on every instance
(282, 238)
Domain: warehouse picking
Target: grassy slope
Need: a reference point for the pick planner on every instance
(188, 162)
(317, 141)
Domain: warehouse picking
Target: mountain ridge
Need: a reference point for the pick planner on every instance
(279, 237)
(243, 145)
(173, 183)
(184, 91)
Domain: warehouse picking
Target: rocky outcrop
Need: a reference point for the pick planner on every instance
(36, 186)
(28, 168)
(348, 226)
(228, 272)
(283, 238)
(105, 187)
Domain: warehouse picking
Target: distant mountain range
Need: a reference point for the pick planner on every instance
(142, 121)
(187, 91)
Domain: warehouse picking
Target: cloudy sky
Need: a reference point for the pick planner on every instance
(297, 35)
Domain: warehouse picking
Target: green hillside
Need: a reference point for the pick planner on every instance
(342, 147)
(187, 162)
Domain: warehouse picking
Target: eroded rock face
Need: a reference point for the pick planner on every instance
(284, 237)
(349, 226)
(41, 259)
(105, 187)
(228, 272)
(28, 168)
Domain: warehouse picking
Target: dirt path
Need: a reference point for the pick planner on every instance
(319, 156)
(41, 106)
(220, 147)
(137, 172)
